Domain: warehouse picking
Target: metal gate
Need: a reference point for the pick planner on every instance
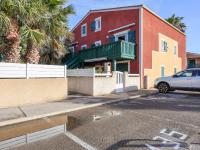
(119, 82)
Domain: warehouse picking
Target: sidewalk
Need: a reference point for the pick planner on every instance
(72, 103)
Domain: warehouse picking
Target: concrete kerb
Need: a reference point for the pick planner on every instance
(25, 119)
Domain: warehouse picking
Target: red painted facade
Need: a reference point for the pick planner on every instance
(152, 26)
(109, 21)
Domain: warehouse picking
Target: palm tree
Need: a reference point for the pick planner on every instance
(40, 26)
(57, 31)
(15, 14)
(9, 23)
(32, 32)
(177, 22)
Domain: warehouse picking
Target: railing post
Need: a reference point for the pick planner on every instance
(27, 75)
(65, 71)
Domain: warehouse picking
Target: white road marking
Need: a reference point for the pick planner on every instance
(79, 141)
(183, 136)
(176, 145)
(191, 106)
(151, 147)
(166, 141)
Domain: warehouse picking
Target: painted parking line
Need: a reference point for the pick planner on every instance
(79, 141)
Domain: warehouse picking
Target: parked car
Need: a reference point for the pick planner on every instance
(185, 80)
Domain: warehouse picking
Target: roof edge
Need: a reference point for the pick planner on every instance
(106, 9)
(145, 7)
(126, 8)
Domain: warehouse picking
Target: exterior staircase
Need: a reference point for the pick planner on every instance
(72, 61)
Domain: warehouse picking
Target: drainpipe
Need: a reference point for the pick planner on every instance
(114, 64)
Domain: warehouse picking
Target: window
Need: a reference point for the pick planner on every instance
(198, 73)
(71, 49)
(164, 46)
(84, 47)
(98, 24)
(187, 73)
(121, 36)
(97, 43)
(175, 50)
(162, 71)
(175, 70)
(84, 30)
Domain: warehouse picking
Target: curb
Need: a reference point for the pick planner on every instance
(20, 120)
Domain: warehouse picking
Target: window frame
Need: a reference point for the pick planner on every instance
(98, 42)
(96, 24)
(84, 46)
(72, 49)
(84, 34)
(164, 46)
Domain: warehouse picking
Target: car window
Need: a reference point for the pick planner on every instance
(179, 73)
(189, 73)
(198, 73)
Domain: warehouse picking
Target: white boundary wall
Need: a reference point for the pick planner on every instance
(14, 70)
(88, 82)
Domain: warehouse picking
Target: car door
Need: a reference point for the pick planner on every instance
(182, 80)
(196, 80)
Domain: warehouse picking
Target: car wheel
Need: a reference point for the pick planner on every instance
(163, 87)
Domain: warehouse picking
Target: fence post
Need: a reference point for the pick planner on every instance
(94, 71)
(27, 75)
(65, 71)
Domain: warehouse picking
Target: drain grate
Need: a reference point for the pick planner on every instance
(32, 137)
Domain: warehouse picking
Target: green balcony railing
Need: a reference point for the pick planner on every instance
(112, 51)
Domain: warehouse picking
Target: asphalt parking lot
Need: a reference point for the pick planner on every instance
(156, 122)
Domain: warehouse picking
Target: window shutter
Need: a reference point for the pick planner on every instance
(93, 26)
(112, 39)
(166, 46)
(162, 71)
(131, 36)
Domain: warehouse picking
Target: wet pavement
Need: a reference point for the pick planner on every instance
(155, 122)
(73, 102)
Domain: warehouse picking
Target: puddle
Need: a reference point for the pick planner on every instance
(106, 115)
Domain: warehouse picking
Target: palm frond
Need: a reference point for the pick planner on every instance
(34, 35)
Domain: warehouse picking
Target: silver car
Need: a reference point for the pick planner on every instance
(185, 80)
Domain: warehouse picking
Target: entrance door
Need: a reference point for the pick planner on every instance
(119, 82)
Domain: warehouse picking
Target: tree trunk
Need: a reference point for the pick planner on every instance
(12, 39)
(32, 53)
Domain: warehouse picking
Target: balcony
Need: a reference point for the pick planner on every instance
(121, 50)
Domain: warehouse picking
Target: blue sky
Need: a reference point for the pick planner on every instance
(189, 9)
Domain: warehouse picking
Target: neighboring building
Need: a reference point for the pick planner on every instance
(193, 60)
(147, 44)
